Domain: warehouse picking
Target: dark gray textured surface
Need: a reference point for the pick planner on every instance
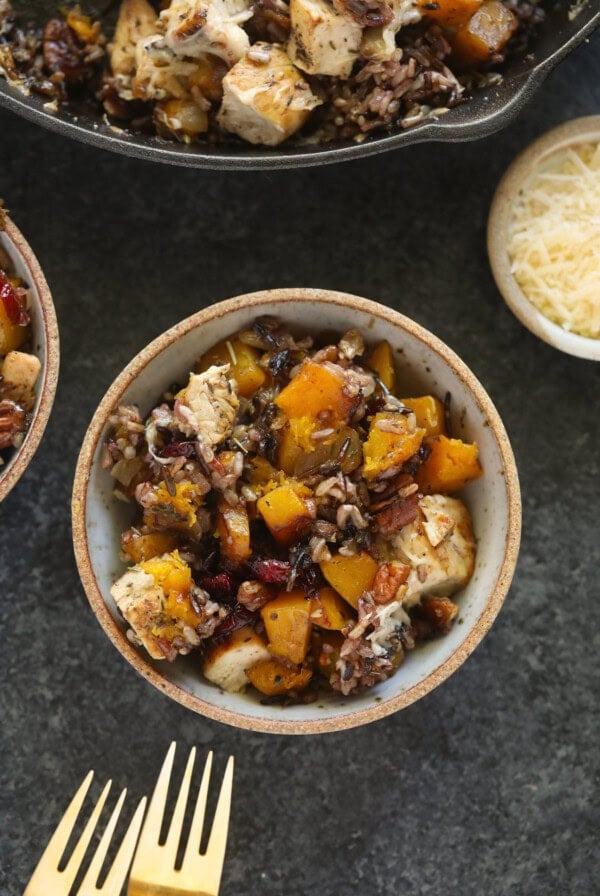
(488, 785)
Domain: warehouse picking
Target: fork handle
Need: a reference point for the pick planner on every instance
(139, 888)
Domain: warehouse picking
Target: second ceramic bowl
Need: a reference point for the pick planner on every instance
(425, 365)
(533, 159)
(45, 346)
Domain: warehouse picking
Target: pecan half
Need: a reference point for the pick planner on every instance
(12, 422)
(388, 578)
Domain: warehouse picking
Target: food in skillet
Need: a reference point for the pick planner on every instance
(296, 523)
(265, 70)
(19, 369)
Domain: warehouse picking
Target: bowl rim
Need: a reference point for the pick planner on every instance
(252, 159)
(552, 142)
(47, 386)
(352, 718)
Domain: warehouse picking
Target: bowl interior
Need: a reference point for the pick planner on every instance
(422, 368)
(39, 346)
(485, 112)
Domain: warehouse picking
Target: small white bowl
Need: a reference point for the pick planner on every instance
(45, 346)
(580, 130)
(425, 365)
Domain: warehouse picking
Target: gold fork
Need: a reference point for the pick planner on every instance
(47, 879)
(153, 872)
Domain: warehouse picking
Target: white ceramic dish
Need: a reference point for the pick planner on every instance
(424, 364)
(580, 130)
(45, 345)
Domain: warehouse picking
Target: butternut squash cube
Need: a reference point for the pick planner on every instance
(328, 610)
(350, 576)
(287, 625)
(392, 440)
(233, 529)
(260, 472)
(272, 677)
(315, 392)
(176, 511)
(343, 447)
(451, 464)
(12, 336)
(174, 576)
(289, 452)
(287, 510)
(169, 572)
(381, 360)
(243, 361)
(487, 32)
(449, 13)
(140, 547)
(429, 412)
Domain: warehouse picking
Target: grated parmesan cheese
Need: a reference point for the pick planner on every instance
(554, 240)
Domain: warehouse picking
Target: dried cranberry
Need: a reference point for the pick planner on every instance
(12, 304)
(61, 52)
(179, 449)
(221, 586)
(376, 404)
(274, 572)
(237, 619)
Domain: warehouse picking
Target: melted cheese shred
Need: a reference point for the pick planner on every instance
(554, 240)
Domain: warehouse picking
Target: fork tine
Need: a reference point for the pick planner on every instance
(88, 884)
(119, 868)
(195, 836)
(58, 842)
(47, 867)
(218, 835)
(172, 841)
(217, 844)
(151, 830)
(74, 863)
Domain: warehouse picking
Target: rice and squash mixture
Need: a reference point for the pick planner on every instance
(265, 71)
(19, 368)
(294, 522)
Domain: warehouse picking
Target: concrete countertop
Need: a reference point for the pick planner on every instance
(489, 784)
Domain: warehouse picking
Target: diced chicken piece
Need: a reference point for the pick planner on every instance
(437, 522)
(137, 20)
(226, 664)
(20, 372)
(389, 619)
(440, 568)
(322, 42)
(379, 42)
(265, 97)
(160, 74)
(206, 408)
(143, 604)
(196, 27)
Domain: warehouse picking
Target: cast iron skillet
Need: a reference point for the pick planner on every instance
(487, 111)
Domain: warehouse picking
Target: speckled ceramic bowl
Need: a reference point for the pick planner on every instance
(424, 365)
(45, 346)
(529, 162)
